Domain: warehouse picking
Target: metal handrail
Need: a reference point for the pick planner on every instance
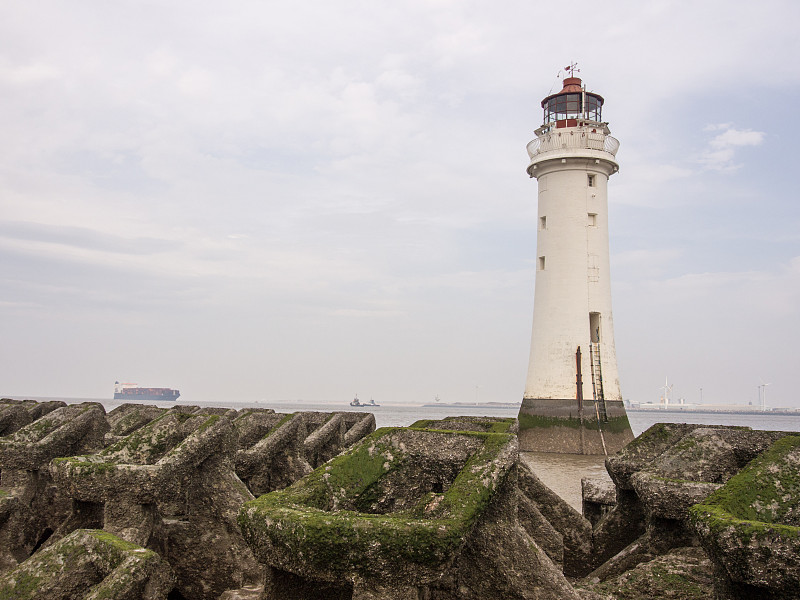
(582, 139)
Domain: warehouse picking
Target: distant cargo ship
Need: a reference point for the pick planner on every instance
(356, 402)
(131, 391)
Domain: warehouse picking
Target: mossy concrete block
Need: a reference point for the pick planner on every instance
(751, 526)
(623, 525)
(326, 441)
(500, 559)
(276, 450)
(540, 529)
(681, 574)
(68, 430)
(277, 459)
(153, 463)
(171, 486)
(696, 465)
(643, 450)
(688, 452)
(15, 414)
(598, 497)
(359, 425)
(253, 424)
(330, 433)
(127, 418)
(89, 565)
(670, 498)
(576, 531)
(469, 423)
(360, 516)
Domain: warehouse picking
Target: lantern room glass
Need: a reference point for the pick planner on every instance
(569, 106)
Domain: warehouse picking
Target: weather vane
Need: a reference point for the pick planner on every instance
(572, 69)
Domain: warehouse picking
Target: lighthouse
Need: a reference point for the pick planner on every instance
(572, 402)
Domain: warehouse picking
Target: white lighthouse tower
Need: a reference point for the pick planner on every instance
(572, 401)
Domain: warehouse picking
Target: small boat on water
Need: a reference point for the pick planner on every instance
(132, 391)
(357, 402)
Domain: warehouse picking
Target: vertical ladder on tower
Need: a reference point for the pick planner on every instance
(597, 382)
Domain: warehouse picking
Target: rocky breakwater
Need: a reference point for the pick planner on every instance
(140, 502)
(437, 510)
(160, 504)
(647, 544)
(751, 527)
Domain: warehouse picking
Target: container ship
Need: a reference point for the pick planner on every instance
(131, 391)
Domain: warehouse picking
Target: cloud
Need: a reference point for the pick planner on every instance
(721, 150)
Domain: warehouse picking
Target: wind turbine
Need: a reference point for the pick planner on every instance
(763, 394)
(667, 390)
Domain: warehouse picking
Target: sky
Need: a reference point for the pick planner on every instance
(306, 201)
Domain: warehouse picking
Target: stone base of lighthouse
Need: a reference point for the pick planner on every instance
(562, 426)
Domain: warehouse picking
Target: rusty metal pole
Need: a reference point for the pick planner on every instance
(579, 395)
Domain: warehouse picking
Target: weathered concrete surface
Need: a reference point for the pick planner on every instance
(15, 414)
(127, 418)
(695, 466)
(170, 486)
(598, 497)
(90, 565)
(32, 506)
(681, 574)
(500, 559)
(623, 525)
(160, 478)
(277, 459)
(73, 429)
(659, 477)
(438, 511)
(751, 526)
(407, 513)
(252, 424)
(275, 450)
(559, 425)
(470, 423)
(575, 530)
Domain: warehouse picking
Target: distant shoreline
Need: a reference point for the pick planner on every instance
(473, 405)
(654, 409)
(789, 412)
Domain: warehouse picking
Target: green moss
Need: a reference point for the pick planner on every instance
(481, 424)
(113, 541)
(24, 582)
(38, 429)
(208, 423)
(657, 581)
(183, 417)
(85, 465)
(296, 521)
(502, 426)
(767, 481)
(618, 424)
(755, 501)
(279, 424)
(24, 586)
(109, 552)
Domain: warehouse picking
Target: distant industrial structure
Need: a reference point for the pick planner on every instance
(572, 401)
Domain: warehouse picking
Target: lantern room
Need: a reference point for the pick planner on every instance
(572, 106)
